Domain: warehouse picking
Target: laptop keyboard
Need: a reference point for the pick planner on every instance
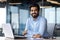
(18, 36)
(1, 34)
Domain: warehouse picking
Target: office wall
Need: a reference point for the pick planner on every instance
(2, 16)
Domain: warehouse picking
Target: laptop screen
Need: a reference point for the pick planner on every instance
(7, 30)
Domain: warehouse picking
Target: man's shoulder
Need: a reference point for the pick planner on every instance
(43, 18)
(28, 18)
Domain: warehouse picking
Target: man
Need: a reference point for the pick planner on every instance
(35, 25)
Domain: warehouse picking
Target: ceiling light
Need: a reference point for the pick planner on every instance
(52, 1)
(45, 6)
(3, 0)
(15, 3)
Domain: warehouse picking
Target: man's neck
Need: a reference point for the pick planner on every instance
(35, 18)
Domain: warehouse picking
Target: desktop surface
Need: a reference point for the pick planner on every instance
(4, 38)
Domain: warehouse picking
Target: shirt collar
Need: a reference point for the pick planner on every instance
(36, 18)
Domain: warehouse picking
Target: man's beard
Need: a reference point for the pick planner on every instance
(34, 15)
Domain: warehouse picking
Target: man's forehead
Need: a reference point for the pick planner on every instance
(34, 8)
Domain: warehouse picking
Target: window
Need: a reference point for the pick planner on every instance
(50, 14)
(2, 16)
(17, 16)
(58, 15)
(23, 17)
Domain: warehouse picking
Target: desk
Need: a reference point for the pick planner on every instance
(26, 39)
(3, 38)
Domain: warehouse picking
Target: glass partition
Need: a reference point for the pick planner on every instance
(58, 15)
(24, 14)
(17, 16)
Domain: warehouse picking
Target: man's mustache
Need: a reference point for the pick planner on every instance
(33, 13)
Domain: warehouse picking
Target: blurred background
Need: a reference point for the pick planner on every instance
(16, 13)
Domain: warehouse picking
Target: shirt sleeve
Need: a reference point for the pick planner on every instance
(42, 27)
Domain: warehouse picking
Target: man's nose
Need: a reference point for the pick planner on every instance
(33, 11)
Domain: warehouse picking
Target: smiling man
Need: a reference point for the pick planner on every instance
(35, 25)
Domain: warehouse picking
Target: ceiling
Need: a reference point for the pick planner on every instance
(24, 1)
(41, 2)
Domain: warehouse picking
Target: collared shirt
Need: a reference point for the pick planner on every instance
(37, 26)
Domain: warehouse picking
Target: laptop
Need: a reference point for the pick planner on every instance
(8, 32)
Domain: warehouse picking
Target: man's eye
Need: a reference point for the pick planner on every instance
(31, 10)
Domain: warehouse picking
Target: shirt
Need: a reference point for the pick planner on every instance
(37, 26)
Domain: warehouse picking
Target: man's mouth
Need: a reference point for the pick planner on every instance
(33, 13)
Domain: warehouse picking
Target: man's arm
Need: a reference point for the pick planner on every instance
(25, 32)
(43, 26)
(42, 29)
(36, 36)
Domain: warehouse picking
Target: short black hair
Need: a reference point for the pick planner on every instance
(34, 5)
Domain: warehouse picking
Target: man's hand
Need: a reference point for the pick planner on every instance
(25, 32)
(37, 36)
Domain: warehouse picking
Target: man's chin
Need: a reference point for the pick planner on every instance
(34, 16)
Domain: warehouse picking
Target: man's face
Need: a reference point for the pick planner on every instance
(34, 12)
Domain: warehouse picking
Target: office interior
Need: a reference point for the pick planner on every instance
(16, 13)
